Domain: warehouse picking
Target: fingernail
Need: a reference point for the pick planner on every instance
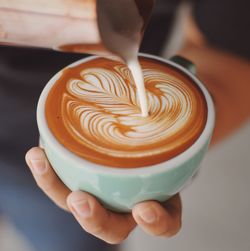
(81, 208)
(148, 215)
(38, 166)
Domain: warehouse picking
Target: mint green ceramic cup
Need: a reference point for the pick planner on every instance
(117, 188)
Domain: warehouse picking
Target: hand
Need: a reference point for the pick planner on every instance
(151, 216)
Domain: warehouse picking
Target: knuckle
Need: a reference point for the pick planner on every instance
(172, 231)
(117, 239)
(47, 185)
(100, 231)
(39, 183)
(62, 206)
(112, 242)
(169, 234)
(166, 232)
(97, 230)
(161, 232)
(168, 229)
(120, 239)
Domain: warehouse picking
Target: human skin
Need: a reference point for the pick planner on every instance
(227, 77)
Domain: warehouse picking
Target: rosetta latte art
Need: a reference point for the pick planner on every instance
(101, 112)
(106, 111)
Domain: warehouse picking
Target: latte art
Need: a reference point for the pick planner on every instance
(97, 114)
(103, 111)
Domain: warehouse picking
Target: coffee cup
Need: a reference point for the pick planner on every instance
(119, 189)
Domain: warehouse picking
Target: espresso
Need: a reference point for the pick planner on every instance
(93, 110)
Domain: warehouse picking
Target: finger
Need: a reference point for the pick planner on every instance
(46, 178)
(96, 220)
(157, 219)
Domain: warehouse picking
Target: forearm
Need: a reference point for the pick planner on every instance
(227, 77)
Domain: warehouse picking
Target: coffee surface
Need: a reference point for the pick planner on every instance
(120, 25)
(93, 110)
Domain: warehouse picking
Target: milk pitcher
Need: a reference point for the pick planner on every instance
(85, 26)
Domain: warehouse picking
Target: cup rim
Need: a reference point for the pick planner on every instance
(152, 169)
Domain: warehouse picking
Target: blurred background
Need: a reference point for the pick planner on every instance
(215, 207)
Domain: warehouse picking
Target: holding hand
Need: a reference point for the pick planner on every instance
(154, 218)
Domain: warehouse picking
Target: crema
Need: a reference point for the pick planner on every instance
(94, 111)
